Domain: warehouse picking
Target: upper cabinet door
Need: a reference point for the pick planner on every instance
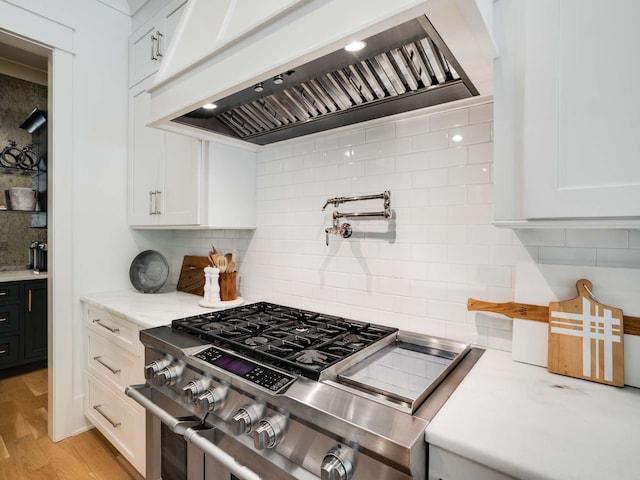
(148, 45)
(566, 122)
(581, 100)
(146, 159)
(143, 58)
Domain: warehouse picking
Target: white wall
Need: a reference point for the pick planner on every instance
(417, 270)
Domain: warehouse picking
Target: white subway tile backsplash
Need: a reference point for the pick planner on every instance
(468, 254)
(490, 235)
(456, 195)
(327, 142)
(469, 174)
(598, 238)
(481, 153)
(453, 118)
(429, 215)
(380, 133)
(430, 141)
(430, 178)
(549, 237)
(614, 257)
(379, 166)
(480, 193)
(567, 256)
(303, 148)
(481, 113)
(428, 252)
(470, 134)
(427, 290)
(491, 275)
(351, 169)
(410, 306)
(416, 270)
(448, 234)
(350, 138)
(450, 311)
(412, 162)
(468, 214)
(412, 126)
(448, 157)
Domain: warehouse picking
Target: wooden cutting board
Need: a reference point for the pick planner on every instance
(192, 274)
(586, 338)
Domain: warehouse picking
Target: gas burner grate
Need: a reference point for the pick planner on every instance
(296, 340)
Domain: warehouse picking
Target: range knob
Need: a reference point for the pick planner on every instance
(269, 431)
(170, 375)
(151, 370)
(247, 417)
(192, 390)
(338, 464)
(211, 399)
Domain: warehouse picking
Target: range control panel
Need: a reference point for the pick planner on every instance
(265, 377)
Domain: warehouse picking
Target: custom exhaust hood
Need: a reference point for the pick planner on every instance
(406, 64)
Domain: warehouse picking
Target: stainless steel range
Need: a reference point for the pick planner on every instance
(273, 392)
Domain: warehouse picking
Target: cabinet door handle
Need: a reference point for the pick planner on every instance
(151, 194)
(113, 424)
(157, 210)
(2, 352)
(98, 322)
(111, 369)
(153, 40)
(3, 319)
(29, 300)
(158, 36)
(3, 294)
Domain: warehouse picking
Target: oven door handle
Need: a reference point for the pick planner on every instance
(137, 393)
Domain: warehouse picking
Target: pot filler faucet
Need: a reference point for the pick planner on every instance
(345, 230)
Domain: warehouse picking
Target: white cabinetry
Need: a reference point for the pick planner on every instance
(148, 44)
(566, 125)
(176, 181)
(164, 170)
(115, 359)
(444, 465)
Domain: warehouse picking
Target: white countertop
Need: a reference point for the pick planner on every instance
(530, 424)
(19, 275)
(148, 309)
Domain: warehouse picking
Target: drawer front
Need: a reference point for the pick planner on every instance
(9, 319)
(122, 423)
(113, 365)
(9, 351)
(114, 328)
(9, 292)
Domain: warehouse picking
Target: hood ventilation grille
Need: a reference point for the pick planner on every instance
(405, 68)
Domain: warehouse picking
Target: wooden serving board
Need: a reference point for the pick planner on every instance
(586, 338)
(192, 274)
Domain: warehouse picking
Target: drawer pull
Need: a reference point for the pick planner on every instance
(111, 369)
(3, 319)
(3, 294)
(113, 424)
(106, 327)
(2, 352)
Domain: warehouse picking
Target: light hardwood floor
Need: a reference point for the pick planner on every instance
(26, 452)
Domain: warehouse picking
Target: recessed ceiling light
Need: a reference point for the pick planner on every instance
(278, 79)
(355, 46)
(209, 106)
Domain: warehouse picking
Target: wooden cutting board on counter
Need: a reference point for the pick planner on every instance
(586, 339)
(192, 274)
